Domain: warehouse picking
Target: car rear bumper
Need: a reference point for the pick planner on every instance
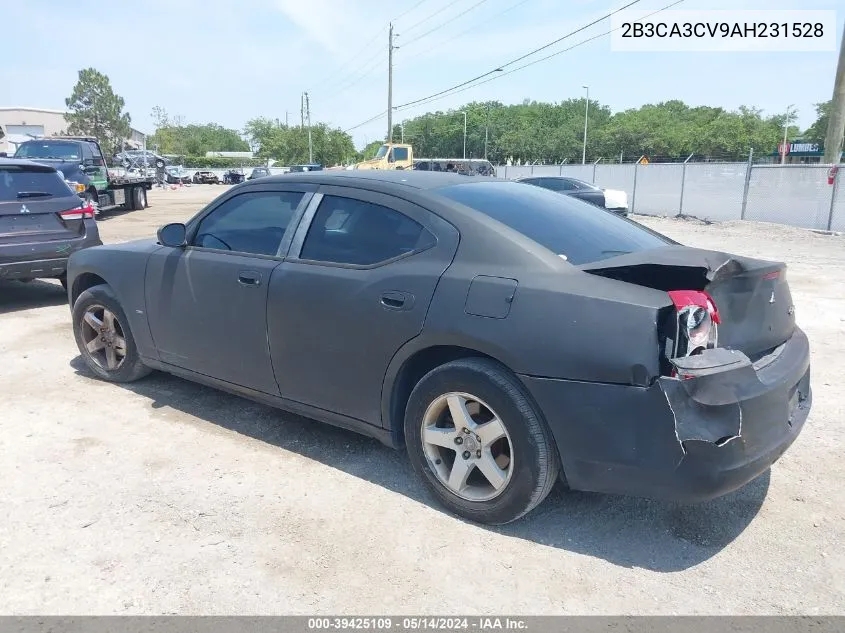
(40, 259)
(683, 440)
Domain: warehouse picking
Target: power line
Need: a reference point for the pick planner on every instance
(370, 120)
(518, 59)
(542, 59)
(482, 23)
(452, 91)
(403, 14)
(442, 24)
(427, 18)
(365, 48)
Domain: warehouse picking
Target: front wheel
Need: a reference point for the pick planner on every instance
(103, 337)
(475, 438)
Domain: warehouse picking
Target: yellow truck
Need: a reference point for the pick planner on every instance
(390, 156)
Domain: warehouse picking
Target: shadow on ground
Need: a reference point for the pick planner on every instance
(16, 295)
(629, 532)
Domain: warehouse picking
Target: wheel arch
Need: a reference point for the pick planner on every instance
(83, 282)
(410, 364)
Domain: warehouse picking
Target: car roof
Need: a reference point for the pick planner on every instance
(380, 180)
(20, 162)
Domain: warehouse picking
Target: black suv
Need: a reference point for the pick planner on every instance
(42, 221)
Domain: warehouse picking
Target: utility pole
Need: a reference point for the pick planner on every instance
(785, 131)
(836, 121)
(390, 48)
(302, 111)
(286, 118)
(308, 115)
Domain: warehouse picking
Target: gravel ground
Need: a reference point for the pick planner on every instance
(168, 497)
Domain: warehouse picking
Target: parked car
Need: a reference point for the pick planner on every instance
(466, 167)
(42, 221)
(259, 172)
(135, 159)
(205, 178)
(298, 169)
(176, 175)
(503, 334)
(233, 177)
(610, 199)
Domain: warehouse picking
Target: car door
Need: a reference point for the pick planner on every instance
(94, 166)
(207, 302)
(355, 287)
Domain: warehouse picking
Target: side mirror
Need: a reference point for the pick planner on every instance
(173, 235)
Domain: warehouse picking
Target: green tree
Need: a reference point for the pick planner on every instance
(289, 145)
(95, 110)
(817, 132)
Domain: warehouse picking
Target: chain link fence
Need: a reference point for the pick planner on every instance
(795, 195)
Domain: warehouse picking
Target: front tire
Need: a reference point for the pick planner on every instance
(475, 438)
(103, 337)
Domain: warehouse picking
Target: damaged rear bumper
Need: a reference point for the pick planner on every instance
(685, 440)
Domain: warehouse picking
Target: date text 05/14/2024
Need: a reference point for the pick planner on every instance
(481, 623)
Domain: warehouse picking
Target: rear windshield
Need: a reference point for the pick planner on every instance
(20, 183)
(49, 149)
(581, 232)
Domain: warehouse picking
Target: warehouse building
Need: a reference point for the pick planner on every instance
(19, 124)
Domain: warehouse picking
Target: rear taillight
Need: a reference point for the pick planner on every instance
(697, 322)
(82, 213)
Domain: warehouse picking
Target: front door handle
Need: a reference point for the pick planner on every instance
(249, 278)
(395, 300)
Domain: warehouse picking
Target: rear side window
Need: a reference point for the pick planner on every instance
(580, 232)
(349, 231)
(20, 183)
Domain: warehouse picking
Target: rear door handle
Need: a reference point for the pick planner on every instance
(249, 278)
(395, 300)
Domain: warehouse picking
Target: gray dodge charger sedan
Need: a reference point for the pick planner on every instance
(506, 335)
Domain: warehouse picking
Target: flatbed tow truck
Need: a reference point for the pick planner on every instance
(82, 163)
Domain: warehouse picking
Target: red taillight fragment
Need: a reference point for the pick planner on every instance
(685, 298)
(772, 275)
(697, 322)
(82, 213)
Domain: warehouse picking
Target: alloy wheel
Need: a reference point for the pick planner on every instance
(467, 446)
(103, 337)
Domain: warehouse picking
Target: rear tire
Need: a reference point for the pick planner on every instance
(505, 435)
(139, 198)
(103, 337)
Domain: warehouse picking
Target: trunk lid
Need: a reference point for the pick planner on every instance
(752, 295)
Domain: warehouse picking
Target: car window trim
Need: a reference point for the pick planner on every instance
(284, 245)
(360, 195)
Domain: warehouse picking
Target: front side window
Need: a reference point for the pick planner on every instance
(349, 231)
(252, 223)
(400, 153)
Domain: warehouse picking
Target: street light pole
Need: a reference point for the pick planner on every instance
(486, 127)
(785, 130)
(465, 134)
(586, 113)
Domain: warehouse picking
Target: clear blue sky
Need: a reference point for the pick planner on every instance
(228, 61)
